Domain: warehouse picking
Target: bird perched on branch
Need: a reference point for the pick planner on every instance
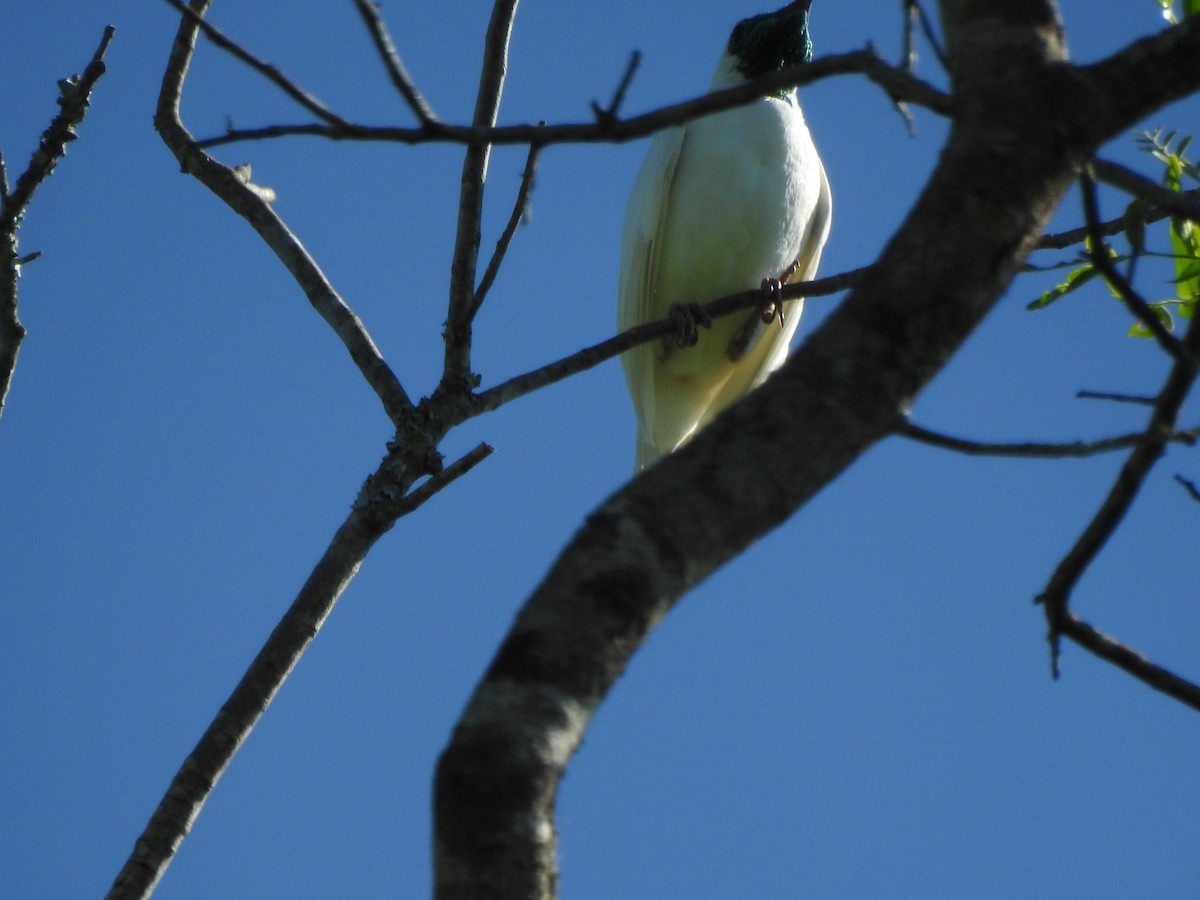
(726, 203)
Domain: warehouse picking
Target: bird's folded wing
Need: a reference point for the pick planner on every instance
(807, 260)
(641, 238)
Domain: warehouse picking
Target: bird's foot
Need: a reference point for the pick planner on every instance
(686, 316)
(772, 308)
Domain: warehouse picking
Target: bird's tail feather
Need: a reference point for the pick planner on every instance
(646, 453)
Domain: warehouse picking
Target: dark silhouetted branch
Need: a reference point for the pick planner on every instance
(74, 97)
(520, 208)
(253, 205)
(1056, 597)
(1129, 295)
(1038, 450)
(590, 357)
(898, 84)
(268, 71)
(1125, 658)
(401, 80)
(457, 378)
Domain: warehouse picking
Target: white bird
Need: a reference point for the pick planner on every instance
(723, 204)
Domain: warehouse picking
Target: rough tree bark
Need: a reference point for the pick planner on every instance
(1025, 122)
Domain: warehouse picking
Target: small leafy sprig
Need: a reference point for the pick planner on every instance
(1169, 148)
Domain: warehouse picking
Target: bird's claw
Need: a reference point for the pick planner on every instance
(772, 308)
(686, 316)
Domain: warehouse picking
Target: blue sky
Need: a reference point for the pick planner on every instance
(860, 706)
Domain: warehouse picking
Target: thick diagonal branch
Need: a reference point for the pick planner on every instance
(848, 386)
(384, 498)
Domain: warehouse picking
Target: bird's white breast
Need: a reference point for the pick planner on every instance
(744, 190)
(718, 206)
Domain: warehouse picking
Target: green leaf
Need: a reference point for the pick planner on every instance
(1164, 316)
(1186, 273)
(1074, 281)
(1191, 8)
(1187, 262)
(1135, 225)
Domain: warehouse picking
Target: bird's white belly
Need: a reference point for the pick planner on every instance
(745, 187)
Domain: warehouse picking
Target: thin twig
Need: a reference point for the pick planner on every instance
(1073, 449)
(589, 357)
(1116, 398)
(914, 12)
(1115, 226)
(74, 97)
(443, 479)
(392, 62)
(908, 53)
(268, 71)
(384, 498)
(457, 378)
(609, 113)
(1185, 204)
(251, 204)
(895, 81)
(520, 207)
(907, 65)
(1126, 291)
(932, 37)
(1125, 658)
(1055, 598)
(1190, 487)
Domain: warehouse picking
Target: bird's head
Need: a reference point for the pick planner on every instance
(768, 42)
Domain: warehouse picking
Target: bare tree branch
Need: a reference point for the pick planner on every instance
(456, 374)
(914, 12)
(74, 97)
(898, 84)
(647, 545)
(1148, 71)
(1074, 449)
(386, 496)
(908, 55)
(844, 389)
(381, 502)
(1116, 398)
(252, 206)
(609, 113)
(1056, 597)
(392, 62)
(1190, 487)
(1129, 295)
(589, 357)
(1114, 226)
(520, 208)
(1125, 658)
(268, 71)
(1185, 204)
